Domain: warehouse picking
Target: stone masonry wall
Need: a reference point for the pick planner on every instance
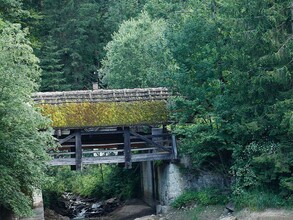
(172, 182)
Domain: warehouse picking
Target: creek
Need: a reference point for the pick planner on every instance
(77, 207)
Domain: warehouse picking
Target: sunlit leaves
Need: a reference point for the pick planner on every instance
(138, 55)
(22, 144)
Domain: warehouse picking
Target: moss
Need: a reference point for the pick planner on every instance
(86, 114)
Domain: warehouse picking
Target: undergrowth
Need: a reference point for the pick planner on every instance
(96, 181)
(261, 199)
(210, 196)
(254, 200)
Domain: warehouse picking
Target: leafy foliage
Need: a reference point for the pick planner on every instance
(12, 11)
(138, 55)
(228, 63)
(232, 80)
(24, 134)
(101, 182)
(259, 166)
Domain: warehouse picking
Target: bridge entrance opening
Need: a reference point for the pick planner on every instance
(112, 145)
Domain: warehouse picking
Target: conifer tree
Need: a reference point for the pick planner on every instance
(74, 26)
(53, 77)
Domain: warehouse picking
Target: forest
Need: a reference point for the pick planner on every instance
(227, 63)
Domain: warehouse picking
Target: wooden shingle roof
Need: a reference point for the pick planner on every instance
(101, 95)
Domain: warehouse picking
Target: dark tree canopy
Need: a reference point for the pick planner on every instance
(232, 75)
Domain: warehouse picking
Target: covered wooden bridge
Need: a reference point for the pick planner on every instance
(109, 126)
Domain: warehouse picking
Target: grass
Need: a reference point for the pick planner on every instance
(198, 212)
(209, 196)
(257, 200)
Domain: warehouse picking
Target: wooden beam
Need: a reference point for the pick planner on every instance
(61, 153)
(62, 162)
(127, 148)
(112, 159)
(151, 157)
(112, 151)
(153, 135)
(103, 160)
(73, 150)
(100, 132)
(78, 150)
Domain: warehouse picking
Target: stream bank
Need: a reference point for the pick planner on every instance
(137, 210)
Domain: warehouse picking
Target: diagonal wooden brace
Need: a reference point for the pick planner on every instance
(150, 141)
(61, 141)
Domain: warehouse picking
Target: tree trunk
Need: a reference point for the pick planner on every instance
(292, 17)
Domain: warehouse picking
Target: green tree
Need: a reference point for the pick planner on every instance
(197, 45)
(258, 108)
(26, 13)
(24, 132)
(235, 74)
(53, 78)
(116, 12)
(231, 68)
(12, 10)
(138, 55)
(80, 30)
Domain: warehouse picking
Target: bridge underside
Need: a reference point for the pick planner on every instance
(112, 145)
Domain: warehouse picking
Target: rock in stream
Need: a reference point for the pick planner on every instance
(77, 207)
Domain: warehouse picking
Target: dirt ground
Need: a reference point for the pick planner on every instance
(131, 210)
(219, 213)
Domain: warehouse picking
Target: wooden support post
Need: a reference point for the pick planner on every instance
(72, 149)
(127, 148)
(158, 140)
(78, 150)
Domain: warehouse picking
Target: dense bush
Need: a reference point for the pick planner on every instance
(252, 199)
